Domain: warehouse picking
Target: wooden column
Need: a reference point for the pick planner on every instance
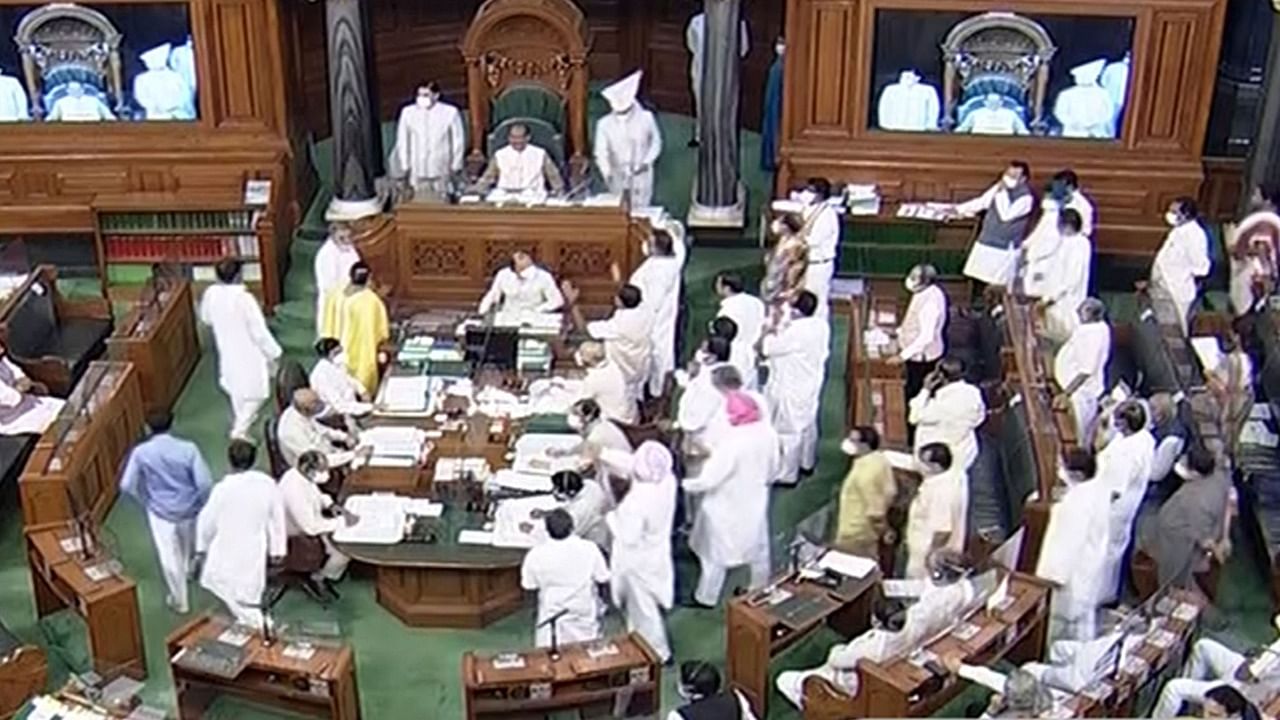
(356, 138)
(1264, 156)
(718, 114)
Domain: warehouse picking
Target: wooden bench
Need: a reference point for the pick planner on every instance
(23, 672)
(51, 338)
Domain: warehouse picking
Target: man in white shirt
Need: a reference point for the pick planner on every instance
(627, 334)
(993, 118)
(309, 512)
(565, 571)
(949, 410)
(76, 106)
(520, 169)
(797, 357)
(1007, 207)
(24, 408)
(239, 530)
(13, 99)
(605, 383)
(822, 236)
(299, 431)
(1183, 260)
(1124, 465)
(1211, 664)
(908, 105)
(1063, 276)
(701, 401)
(938, 515)
(1080, 366)
(1079, 523)
(341, 393)
(627, 142)
(247, 353)
(430, 144)
(748, 315)
(586, 502)
(333, 263)
(920, 339)
(523, 287)
(659, 278)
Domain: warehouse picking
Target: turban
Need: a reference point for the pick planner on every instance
(742, 408)
(652, 463)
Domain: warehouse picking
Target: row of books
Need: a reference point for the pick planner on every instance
(190, 248)
(138, 273)
(225, 220)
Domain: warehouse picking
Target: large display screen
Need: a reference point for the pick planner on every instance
(1001, 73)
(65, 63)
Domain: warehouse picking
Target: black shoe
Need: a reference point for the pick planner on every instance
(693, 142)
(332, 588)
(695, 605)
(314, 591)
(807, 472)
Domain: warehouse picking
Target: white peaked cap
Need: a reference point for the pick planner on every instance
(351, 210)
(908, 73)
(157, 56)
(1089, 71)
(622, 94)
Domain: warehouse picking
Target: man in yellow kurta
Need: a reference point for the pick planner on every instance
(358, 318)
(865, 496)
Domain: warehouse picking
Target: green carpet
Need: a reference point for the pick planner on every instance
(406, 673)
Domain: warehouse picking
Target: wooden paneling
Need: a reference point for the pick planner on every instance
(1131, 180)
(1223, 189)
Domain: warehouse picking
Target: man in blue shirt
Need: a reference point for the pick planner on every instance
(169, 477)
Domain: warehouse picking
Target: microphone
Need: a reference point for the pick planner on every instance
(555, 645)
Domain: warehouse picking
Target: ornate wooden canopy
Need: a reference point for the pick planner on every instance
(542, 43)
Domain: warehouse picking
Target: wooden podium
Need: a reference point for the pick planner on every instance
(159, 337)
(615, 677)
(433, 255)
(877, 397)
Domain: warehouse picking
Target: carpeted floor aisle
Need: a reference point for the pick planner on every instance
(407, 673)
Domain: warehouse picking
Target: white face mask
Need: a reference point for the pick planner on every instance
(850, 448)
(808, 197)
(425, 101)
(780, 48)
(320, 478)
(574, 422)
(1172, 218)
(911, 284)
(1009, 182)
(340, 359)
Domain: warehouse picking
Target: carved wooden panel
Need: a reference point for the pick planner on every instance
(233, 36)
(438, 258)
(589, 260)
(497, 253)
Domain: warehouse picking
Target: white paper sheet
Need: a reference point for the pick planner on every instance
(512, 514)
(523, 482)
(405, 394)
(532, 456)
(853, 566)
(381, 520)
(475, 537)
(394, 442)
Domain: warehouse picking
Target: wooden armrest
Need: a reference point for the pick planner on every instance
(824, 701)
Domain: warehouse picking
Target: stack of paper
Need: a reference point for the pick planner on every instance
(405, 394)
(423, 507)
(553, 396)
(388, 441)
(862, 199)
(381, 520)
(845, 564)
(415, 349)
(514, 525)
(521, 482)
(537, 453)
(934, 211)
(455, 468)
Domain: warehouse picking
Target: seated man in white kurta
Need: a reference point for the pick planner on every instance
(76, 106)
(520, 171)
(23, 412)
(993, 118)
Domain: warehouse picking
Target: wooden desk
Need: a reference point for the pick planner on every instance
(159, 337)
(758, 633)
(1117, 695)
(897, 688)
(61, 579)
(49, 336)
(435, 254)
(76, 464)
(23, 673)
(323, 686)
(877, 396)
(594, 687)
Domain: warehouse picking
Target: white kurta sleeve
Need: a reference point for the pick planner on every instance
(604, 159)
(654, 135)
(552, 300)
(493, 296)
(277, 534)
(599, 568)
(529, 573)
(301, 506)
(258, 330)
(983, 676)
(980, 203)
(8, 396)
(457, 142)
(931, 322)
(207, 521)
(603, 329)
(717, 470)
(401, 153)
(1007, 210)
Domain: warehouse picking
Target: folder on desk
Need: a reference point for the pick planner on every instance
(853, 566)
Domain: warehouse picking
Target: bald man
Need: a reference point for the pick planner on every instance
(300, 431)
(606, 383)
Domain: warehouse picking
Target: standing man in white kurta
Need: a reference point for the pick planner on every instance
(1063, 193)
(796, 354)
(239, 531)
(247, 353)
(908, 105)
(748, 314)
(821, 234)
(430, 144)
(14, 105)
(1086, 110)
(1080, 366)
(1079, 524)
(695, 43)
(938, 515)
(22, 411)
(565, 571)
(659, 278)
(627, 334)
(1124, 465)
(731, 523)
(949, 410)
(332, 266)
(1007, 207)
(1064, 276)
(628, 142)
(1183, 260)
(643, 573)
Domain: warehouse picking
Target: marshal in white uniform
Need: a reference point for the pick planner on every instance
(1086, 110)
(162, 92)
(430, 142)
(628, 142)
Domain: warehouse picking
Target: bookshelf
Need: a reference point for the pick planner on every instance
(194, 239)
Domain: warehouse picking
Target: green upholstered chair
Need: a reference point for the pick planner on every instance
(539, 109)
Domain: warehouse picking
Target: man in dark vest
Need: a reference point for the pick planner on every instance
(1007, 207)
(700, 688)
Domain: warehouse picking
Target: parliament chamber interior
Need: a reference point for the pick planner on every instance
(677, 359)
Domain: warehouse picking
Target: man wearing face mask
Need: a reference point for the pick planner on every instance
(822, 235)
(627, 142)
(333, 263)
(1007, 206)
(920, 336)
(785, 266)
(586, 503)
(797, 358)
(937, 517)
(340, 392)
(627, 334)
(1183, 259)
(865, 495)
(522, 288)
(310, 513)
(430, 145)
(659, 280)
(1063, 276)
(1078, 525)
(520, 170)
(1124, 465)
(1079, 367)
(700, 402)
(748, 315)
(949, 410)
(299, 431)
(605, 383)
(908, 105)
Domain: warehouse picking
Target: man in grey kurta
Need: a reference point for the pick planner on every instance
(1191, 521)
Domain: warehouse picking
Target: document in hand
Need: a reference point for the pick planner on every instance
(853, 566)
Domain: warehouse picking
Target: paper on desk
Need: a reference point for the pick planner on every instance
(1207, 351)
(904, 588)
(405, 393)
(454, 468)
(475, 537)
(389, 441)
(513, 513)
(381, 520)
(532, 453)
(423, 507)
(901, 461)
(523, 482)
(853, 566)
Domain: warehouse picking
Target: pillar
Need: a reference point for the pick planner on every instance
(1264, 155)
(357, 146)
(717, 193)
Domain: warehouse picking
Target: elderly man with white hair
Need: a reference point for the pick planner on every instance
(643, 581)
(628, 142)
(606, 383)
(1080, 366)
